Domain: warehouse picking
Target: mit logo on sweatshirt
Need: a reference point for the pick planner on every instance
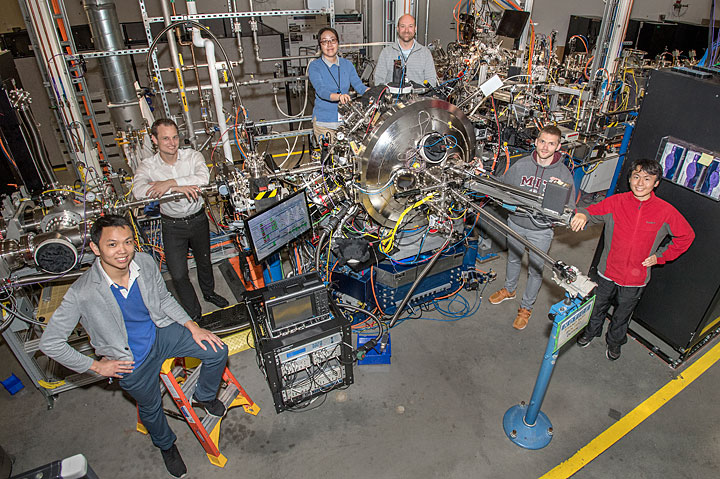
(533, 182)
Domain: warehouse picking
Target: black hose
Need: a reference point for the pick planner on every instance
(318, 250)
(380, 324)
(20, 316)
(382, 336)
(38, 148)
(329, 228)
(417, 282)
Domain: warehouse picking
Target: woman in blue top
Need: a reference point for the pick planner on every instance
(331, 76)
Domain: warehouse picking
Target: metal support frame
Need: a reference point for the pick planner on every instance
(39, 14)
(17, 336)
(148, 34)
(524, 37)
(233, 15)
(64, 82)
(389, 21)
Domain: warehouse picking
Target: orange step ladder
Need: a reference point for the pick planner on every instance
(206, 430)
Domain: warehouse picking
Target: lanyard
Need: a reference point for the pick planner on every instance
(337, 81)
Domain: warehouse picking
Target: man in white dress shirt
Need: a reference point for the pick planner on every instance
(184, 223)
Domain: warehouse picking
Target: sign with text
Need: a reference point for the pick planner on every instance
(568, 327)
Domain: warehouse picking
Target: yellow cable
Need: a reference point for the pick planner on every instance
(50, 385)
(387, 243)
(137, 233)
(125, 195)
(578, 110)
(499, 5)
(461, 215)
(62, 189)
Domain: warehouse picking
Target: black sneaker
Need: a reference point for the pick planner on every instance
(584, 340)
(174, 462)
(214, 408)
(612, 352)
(216, 299)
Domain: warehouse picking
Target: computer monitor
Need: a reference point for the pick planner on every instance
(512, 23)
(275, 227)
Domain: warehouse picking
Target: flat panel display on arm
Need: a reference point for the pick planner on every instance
(277, 226)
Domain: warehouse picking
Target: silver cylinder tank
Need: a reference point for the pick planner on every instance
(117, 70)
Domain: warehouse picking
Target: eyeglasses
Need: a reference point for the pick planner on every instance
(329, 41)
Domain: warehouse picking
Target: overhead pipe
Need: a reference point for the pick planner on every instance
(265, 81)
(117, 70)
(194, 68)
(179, 81)
(237, 28)
(209, 47)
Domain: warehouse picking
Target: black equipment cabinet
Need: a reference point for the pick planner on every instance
(313, 355)
(272, 358)
(681, 304)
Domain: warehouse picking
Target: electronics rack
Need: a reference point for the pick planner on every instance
(307, 361)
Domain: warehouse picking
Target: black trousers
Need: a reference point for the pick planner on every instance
(178, 235)
(627, 298)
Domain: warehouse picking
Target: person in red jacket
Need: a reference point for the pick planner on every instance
(636, 225)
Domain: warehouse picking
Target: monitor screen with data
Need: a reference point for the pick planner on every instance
(277, 226)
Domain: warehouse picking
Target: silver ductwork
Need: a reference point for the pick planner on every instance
(117, 70)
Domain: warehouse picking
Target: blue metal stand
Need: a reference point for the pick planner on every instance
(629, 127)
(526, 425)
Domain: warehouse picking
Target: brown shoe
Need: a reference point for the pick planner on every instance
(522, 318)
(501, 295)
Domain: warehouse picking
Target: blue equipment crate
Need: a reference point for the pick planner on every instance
(12, 384)
(374, 356)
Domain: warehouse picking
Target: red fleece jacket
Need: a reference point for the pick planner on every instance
(634, 231)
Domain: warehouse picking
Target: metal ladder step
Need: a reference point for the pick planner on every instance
(188, 387)
(227, 396)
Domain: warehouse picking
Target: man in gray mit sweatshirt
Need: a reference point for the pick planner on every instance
(532, 173)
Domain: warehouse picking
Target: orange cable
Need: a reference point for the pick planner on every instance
(451, 294)
(372, 286)
(8, 154)
(297, 260)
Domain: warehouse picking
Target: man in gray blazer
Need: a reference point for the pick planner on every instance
(135, 325)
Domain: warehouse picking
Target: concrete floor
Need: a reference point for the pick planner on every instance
(435, 412)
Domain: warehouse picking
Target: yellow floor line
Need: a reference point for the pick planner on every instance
(616, 432)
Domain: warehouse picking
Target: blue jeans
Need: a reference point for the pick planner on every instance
(143, 384)
(540, 238)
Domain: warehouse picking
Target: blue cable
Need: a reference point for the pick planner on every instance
(422, 242)
(511, 7)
